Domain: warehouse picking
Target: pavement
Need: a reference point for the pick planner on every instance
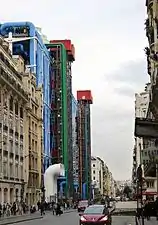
(27, 217)
(152, 221)
(20, 218)
(126, 205)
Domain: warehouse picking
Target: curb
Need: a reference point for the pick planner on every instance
(20, 220)
(69, 211)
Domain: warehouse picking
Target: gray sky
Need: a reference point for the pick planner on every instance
(109, 39)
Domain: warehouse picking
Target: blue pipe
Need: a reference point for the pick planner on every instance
(62, 186)
(84, 191)
(39, 56)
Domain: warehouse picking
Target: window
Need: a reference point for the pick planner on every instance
(93, 178)
(5, 168)
(35, 146)
(93, 171)
(16, 108)
(35, 164)
(16, 171)
(93, 165)
(11, 103)
(11, 170)
(36, 110)
(21, 129)
(21, 113)
(33, 94)
(21, 149)
(32, 126)
(150, 184)
(21, 171)
(36, 128)
(29, 122)
(11, 146)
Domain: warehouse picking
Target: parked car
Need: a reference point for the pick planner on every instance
(82, 205)
(96, 215)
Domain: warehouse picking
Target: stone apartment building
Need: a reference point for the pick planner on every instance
(20, 130)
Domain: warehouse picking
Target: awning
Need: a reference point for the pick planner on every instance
(150, 193)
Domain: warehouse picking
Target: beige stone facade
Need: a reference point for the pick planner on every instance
(13, 100)
(34, 149)
(21, 128)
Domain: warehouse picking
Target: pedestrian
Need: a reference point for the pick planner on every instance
(58, 210)
(156, 208)
(42, 209)
(38, 205)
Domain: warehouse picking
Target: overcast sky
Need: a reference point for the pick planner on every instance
(109, 39)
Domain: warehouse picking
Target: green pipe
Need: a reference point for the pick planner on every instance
(63, 58)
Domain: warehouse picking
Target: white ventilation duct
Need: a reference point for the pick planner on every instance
(50, 180)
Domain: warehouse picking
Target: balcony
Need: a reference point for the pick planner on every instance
(150, 168)
(147, 128)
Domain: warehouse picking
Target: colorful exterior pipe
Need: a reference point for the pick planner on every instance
(60, 149)
(84, 99)
(62, 52)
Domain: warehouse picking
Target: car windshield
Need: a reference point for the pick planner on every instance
(94, 210)
(83, 203)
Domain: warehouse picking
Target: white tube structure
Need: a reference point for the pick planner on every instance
(50, 180)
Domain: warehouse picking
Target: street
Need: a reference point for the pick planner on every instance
(73, 219)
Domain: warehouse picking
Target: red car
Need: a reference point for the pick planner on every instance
(95, 215)
(82, 205)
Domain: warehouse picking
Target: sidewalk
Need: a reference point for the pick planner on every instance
(20, 218)
(152, 221)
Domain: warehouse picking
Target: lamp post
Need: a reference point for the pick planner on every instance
(140, 188)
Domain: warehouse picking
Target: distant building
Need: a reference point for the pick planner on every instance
(102, 179)
(97, 174)
(141, 110)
